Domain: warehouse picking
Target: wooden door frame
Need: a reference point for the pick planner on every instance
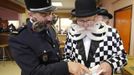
(130, 21)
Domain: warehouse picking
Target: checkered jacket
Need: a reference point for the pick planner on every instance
(110, 50)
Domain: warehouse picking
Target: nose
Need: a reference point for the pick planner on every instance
(49, 17)
(88, 24)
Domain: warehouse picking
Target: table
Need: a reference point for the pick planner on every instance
(129, 68)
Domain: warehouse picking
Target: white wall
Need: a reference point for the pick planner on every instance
(7, 14)
(132, 33)
(113, 5)
(14, 22)
(22, 18)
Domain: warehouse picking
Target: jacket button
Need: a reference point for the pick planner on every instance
(45, 51)
(54, 46)
(58, 53)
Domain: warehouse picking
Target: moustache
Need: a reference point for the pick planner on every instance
(40, 26)
(82, 29)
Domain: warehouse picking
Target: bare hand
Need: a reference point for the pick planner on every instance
(106, 68)
(96, 70)
(77, 69)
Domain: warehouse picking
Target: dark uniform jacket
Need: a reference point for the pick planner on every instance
(36, 53)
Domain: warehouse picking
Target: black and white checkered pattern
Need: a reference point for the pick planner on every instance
(110, 50)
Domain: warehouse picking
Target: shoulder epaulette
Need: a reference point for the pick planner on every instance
(18, 31)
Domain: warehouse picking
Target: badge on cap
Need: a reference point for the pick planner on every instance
(48, 1)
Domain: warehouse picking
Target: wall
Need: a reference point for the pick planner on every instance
(22, 18)
(7, 14)
(64, 15)
(113, 5)
(132, 31)
(10, 15)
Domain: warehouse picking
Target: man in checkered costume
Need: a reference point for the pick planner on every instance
(109, 50)
(92, 42)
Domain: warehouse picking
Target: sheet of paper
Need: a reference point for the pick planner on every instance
(95, 70)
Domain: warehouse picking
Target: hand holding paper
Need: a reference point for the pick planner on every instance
(95, 70)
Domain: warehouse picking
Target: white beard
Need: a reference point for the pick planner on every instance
(82, 32)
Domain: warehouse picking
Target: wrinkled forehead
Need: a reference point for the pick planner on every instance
(44, 14)
(86, 18)
(102, 16)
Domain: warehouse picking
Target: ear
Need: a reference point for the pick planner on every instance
(30, 14)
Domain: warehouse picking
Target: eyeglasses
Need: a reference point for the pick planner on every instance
(82, 21)
(85, 19)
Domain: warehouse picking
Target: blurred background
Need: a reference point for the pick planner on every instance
(13, 13)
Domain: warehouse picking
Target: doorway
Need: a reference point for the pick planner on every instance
(122, 22)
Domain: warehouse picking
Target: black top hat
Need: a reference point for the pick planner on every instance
(39, 5)
(104, 12)
(84, 8)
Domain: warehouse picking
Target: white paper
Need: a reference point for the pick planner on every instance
(95, 70)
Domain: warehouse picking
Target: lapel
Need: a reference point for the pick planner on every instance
(49, 38)
(51, 34)
(81, 49)
(93, 47)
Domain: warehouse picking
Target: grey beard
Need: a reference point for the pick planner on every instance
(38, 27)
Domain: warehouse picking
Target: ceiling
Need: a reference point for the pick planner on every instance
(67, 4)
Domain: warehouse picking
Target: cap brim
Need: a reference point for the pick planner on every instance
(105, 13)
(108, 15)
(52, 8)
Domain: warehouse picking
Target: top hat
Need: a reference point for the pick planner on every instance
(39, 5)
(104, 12)
(84, 8)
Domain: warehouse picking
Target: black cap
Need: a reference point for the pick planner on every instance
(104, 12)
(72, 11)
(39, 5)
(84, 8)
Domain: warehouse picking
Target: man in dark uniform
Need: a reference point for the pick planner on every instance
(33, 48)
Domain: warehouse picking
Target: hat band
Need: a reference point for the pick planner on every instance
(40, 9)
